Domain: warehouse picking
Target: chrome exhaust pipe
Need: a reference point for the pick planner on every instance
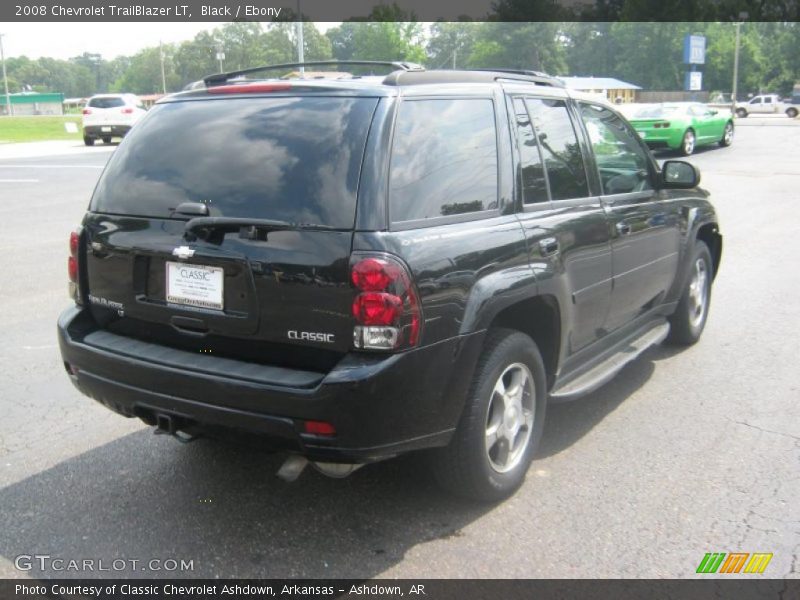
(292, 468)
(295, 464)
(337, 470)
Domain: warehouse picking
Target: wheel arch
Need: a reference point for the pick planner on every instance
(710, 236)
(540, 318)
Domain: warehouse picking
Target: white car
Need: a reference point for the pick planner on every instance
(110, 115)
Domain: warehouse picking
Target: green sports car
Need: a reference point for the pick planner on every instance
(682, 126)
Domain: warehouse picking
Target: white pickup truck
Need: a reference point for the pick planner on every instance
(766, 104)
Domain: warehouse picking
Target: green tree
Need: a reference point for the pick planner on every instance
(143, 75)
(451, 43)
(537, 46)
(387, 33)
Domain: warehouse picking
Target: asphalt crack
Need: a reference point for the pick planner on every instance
(789, 435)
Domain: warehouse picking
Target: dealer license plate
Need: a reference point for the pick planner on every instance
(105, 129)
(195, 285)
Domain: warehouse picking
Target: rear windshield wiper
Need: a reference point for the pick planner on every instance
(213, 229)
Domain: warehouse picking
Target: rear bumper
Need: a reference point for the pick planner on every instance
(100, 131)
(658, 144)
(380, 406)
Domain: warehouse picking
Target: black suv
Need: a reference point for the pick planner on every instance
(361, 267)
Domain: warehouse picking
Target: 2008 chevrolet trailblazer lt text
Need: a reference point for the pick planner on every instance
(365, 266)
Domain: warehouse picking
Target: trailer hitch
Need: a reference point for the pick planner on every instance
(169, 425)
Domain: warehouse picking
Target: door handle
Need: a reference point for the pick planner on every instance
(623, 228)
(548, 246)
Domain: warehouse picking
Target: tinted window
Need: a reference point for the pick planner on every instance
(620, 158)
(291, 159)
(560, 148)
(106, 102)
(444, 160)
(534, 187)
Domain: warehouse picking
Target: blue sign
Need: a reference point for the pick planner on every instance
(694, 49)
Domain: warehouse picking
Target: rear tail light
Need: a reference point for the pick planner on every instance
(386, 307)
(72, 265)
(86, 111)
(127, 111)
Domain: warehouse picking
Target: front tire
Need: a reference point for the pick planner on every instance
(727, 135)
(791, 112)
(688, 143)
(501, 424)
(689, 319)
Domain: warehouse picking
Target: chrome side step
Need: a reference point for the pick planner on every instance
(610, 366)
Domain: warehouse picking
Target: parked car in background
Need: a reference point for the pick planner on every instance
(108, 116)
(682, 126)
(766, 104)
(358, 268)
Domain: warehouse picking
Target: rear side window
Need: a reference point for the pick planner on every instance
(534, 185)
(295, 159)
(444, 159)
(106, 102)
(560, 149)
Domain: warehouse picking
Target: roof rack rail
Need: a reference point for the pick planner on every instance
(537, 77)
(527, 72)
(221, 78)
(471, 76)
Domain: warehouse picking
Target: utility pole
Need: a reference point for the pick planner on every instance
(742, 17)
(455, 52)
(220, 55)
(300, 49)
(163, 75)
(9, 109)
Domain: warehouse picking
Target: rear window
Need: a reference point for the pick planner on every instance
(293, 159)
(444, 160)
(655, 112)
(106, 102)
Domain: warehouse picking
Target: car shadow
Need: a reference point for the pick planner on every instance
(568, 422)
(220, 505)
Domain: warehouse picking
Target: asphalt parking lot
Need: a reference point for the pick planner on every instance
(685, 452)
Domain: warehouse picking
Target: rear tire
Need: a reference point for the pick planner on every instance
(689, 319)
(501, 424)
(107, 139)
(741, 113)
(791, 112)
(727, 135)
(89, 141)
(688, 143)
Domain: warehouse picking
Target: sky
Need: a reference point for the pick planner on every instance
(65, 40)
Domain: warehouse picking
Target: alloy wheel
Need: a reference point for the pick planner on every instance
(509, 419)
(688, 143)
(698, 293)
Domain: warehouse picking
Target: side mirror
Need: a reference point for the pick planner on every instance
(678, 174)
(713, 112)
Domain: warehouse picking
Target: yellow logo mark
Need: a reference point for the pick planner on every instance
(758, 562)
